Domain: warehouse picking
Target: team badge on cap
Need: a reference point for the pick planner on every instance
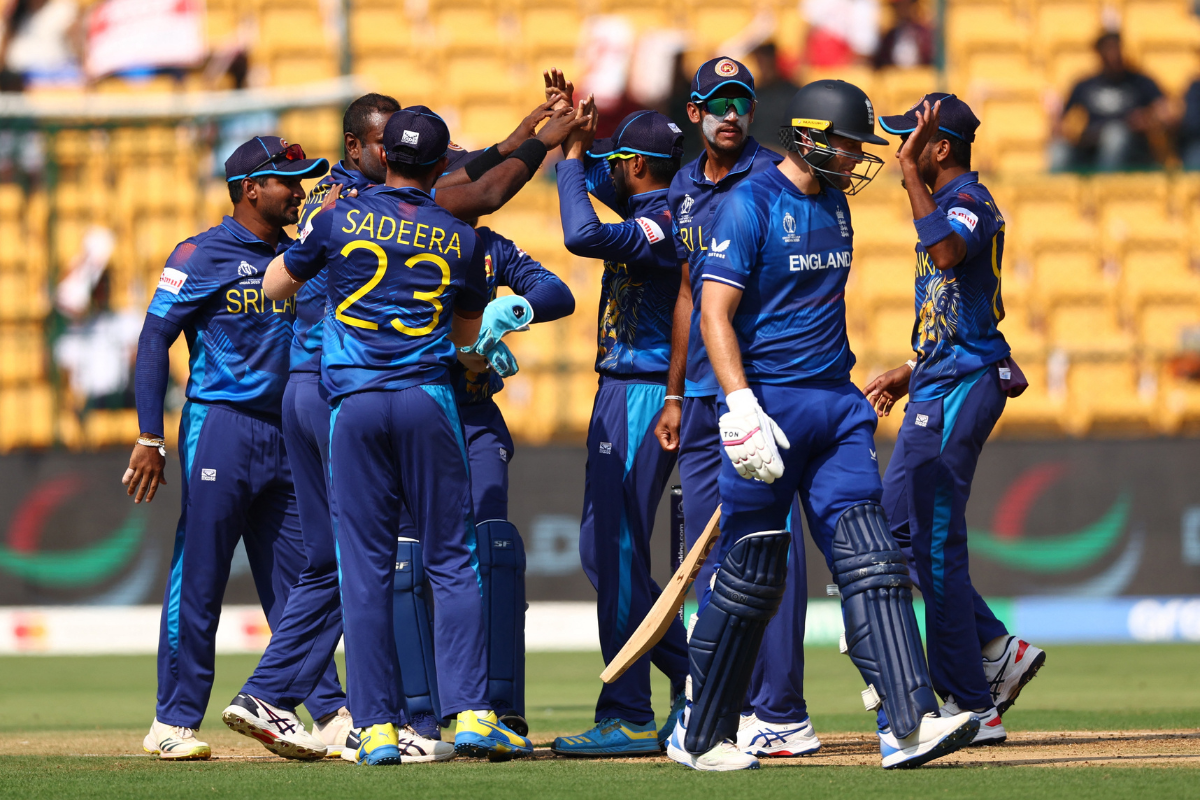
(726, 68)
(410, 137)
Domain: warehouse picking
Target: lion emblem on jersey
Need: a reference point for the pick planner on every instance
(939, 311)
(618, 321)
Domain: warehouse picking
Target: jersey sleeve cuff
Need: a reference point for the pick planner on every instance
(726, 276)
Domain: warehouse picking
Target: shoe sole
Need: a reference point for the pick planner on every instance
(957, 739)
(610, 753)
(199, 754)
(1030, 674)
(475, 750)
(988, 742)
(784, 753)
(280, 747)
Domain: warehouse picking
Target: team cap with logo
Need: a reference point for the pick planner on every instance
(415, 135)
(270, 155)
(954, 117)
(642, 133)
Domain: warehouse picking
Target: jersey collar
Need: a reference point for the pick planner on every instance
(348, 178)
(243, 234)
(953, 186)
(646, 201)
(745, 161)
(410, 195)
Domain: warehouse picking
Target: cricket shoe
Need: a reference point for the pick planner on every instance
(333, 731)
(1008, 674)
(173, 743)
(991, 729)
(725, 757)
(677, 707)
(763, 739)
(280, 731)
(481, 735)
(376, 746)
(413, 747)
(426, 725)
(610, 737)
(515, 723)
(934, 737)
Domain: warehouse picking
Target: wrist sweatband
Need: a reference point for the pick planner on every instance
(483, 162)
(673, 397)
(532, 153)
(911, 364)
(932, 228)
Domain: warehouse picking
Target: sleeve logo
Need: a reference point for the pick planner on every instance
(171, 280)
(965, 217)
(653, 232)
(307, 228)
(718, 250)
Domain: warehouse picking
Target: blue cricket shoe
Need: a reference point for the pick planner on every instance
(610, 737)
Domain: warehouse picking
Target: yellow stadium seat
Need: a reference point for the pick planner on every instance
(1173, 69)
(1089, 330)
(1160, 325)
(1068, 67)
(22, 354)
(1056, 226)
(889, 335)
(1163, 274)
(1179, 402)
(712, 25)
(468, 29)
(379, 29)
(1014, 121)
(1147, 188)
(1067, 25)
(481, 123)
(899, 88)
(293, 29)
(26, 417)
(530, 402)
(974, 28)
(1138, 223)
(1110, 397)
(641, 15)
(1070, 275)
(1023, 332)
(884, 279)
(483, 77)
(12, 244)
(1008, 72)
(303, 68)
(22, 297)
(891, 234)
(1148, 24)
(1037, 411)
(409, 78)
(554, 28)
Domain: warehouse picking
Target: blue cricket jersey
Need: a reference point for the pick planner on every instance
(398, 265)
(641, 269)
(958, 309)
(508, 265)
(237, 339)
(790, 255)
(310, 300)
(692, 200)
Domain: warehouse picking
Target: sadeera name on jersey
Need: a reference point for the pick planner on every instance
(429, 237)
(836, 259)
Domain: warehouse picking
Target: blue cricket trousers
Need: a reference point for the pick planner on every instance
(387, 449)
(626, 474)
(303, 643)
(776, 692)
(927, 485)
(237, 485)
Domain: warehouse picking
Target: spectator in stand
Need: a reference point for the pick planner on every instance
(1189, 128)
(840, 32)
(1113, 121)
(909, 43)
(774, 91)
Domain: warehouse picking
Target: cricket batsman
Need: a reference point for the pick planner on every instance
(773, 321)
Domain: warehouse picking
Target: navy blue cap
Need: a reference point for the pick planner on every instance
(719, 72)
(415, 135)
(954, 117)
(643, 133)
(459, 157)
(268, 155)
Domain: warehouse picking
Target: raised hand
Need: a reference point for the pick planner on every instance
(527, 127)
(927, 122)
(558, 89)
(560, 125)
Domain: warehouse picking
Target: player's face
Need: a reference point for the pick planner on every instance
(370, 159)
(724, 132)
(845, 161)
(618, 168)
(279, 200)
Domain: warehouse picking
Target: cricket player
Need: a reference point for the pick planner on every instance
(776, 722)
(237, 478)
(773, 321)
(958, 385)
(395, 437)
(627, 471)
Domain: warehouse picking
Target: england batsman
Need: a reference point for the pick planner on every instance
(774, 324)
(776, 721)
(957, 386)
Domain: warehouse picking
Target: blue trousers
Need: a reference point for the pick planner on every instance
(776, 692)
(927, 485)
(237, 484)
(390, 448)
(300, 654)
(831, 463)
(627, 472)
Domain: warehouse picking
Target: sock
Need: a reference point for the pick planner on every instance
(995, 648)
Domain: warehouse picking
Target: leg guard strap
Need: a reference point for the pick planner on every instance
(725, 640)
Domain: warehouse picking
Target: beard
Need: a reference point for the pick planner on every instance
(711, 123)
(620, 184)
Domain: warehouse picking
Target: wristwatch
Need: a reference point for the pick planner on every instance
(161, 444)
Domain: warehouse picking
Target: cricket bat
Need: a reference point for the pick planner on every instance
(662, 614)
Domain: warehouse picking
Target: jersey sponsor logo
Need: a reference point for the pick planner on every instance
(307, 229)
(409, 137)
(726, 68)
(816, 261)
(653, 232)
(208, 474)
(171, 280)
(963, 216)
(789, 228)
(488, 268)
(717, 250)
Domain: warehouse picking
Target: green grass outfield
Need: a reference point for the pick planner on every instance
(101, 699)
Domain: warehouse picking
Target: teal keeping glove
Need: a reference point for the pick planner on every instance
(501, 317)
(503, 362)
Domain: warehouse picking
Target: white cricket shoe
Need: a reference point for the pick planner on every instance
(280, 731)
(414, 748)
(333, 731)
(172, 743)
(762, 739)
(935, 737)
(1008, 674)
(725, 757)
(991, 729)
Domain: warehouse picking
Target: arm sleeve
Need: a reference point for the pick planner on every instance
(474, 294)
(547, 294)
(975, 221)
(307, 256)
(736, 233)
(152, 371)
(585, 235)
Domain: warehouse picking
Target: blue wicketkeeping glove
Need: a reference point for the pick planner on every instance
(503, 362)
(501, 317)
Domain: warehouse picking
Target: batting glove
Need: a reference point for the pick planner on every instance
(501, 317)
(503, 362)
(750, 438)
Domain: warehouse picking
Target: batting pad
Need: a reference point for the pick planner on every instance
(502, 573)
(746, 593)
(414, 634)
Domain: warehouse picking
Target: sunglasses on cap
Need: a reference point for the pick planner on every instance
(293, 152)
(719, 106)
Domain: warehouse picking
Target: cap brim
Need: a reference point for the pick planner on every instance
(701, 97)
(602, 147)
(301, 168)
(898, 125)
(460, 158)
